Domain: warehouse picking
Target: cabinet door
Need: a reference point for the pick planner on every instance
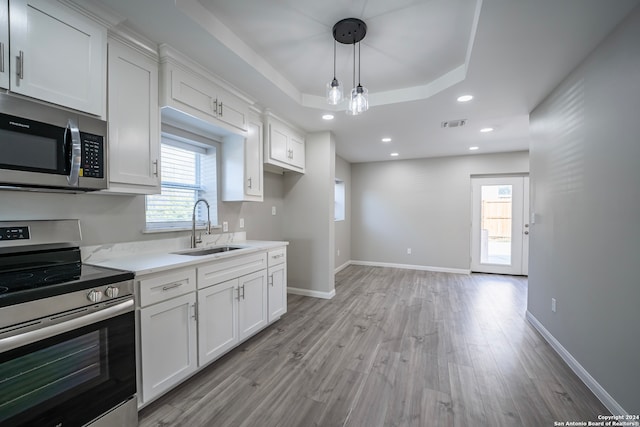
(278, 142)
(277, 295)
(134, 120)
(253, 303)
(4, 44)
(253, 160)
(194, 92)
(57, 55)
(168, 344)
(218, 320)
(231, 110)
(296, 151)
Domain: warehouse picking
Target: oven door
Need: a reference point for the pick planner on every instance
(70, 373)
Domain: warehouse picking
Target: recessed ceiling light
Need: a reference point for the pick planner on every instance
(485, 130)
(465, 98)
(386, 139)
(327, 117)
(474, 148)
(394, 154)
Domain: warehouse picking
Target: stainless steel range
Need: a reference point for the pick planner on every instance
(67, 332)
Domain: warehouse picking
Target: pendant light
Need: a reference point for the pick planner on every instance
(359, 100)
(349, 31)
(334, 88)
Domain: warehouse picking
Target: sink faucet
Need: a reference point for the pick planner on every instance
(193, 223)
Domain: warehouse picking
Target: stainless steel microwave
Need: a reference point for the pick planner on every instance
(46, 147)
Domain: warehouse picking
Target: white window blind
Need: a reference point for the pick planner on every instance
(182, 185)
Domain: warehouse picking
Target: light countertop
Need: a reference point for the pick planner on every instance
(146, 263)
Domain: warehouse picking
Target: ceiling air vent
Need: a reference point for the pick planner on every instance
(454, 123)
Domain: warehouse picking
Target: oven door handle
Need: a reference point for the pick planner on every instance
(20, 340)
(75, 152)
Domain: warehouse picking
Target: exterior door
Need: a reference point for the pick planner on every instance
(499, 225)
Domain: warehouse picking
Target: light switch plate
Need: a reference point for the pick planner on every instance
(241, 222)
(225, 226)
(273, 210)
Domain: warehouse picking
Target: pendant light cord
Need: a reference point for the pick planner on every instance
(334, 59)
(354, 65)
(359, 63)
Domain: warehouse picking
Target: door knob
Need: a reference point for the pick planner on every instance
(526, 232)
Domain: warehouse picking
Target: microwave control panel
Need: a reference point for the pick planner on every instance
(92, 155)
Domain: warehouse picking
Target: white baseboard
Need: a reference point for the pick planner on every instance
(412, 267)
(578, 369)
(342, 267)
(310, 293)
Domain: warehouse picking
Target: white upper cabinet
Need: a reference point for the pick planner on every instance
(4, 44)
(242, 167)
(186, 88)
(57, 55)
(284, 147)
(134, 120)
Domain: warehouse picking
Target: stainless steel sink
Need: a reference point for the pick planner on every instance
(208, 251)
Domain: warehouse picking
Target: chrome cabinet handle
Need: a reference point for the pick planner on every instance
(1, 57)
(75, 152)
(155, 168)
(243, 292)
(20, 66)
(250, 183)
(195, 311)
(173, 286)
(221, 113)
(271, 280)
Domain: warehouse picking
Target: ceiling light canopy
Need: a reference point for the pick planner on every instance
(349, 31)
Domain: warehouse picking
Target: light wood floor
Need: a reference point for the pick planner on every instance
(393, 348)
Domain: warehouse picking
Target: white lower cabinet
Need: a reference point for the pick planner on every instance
(218, 324)
(252, 310)
(189, 317)
(168, 344)
(277, 292)
(229, 312)
(277, 284)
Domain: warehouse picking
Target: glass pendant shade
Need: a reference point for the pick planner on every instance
(358, 101)
(334, 92)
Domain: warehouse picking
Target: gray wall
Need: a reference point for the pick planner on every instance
(113, 219)
(422, 204)
(308, 218)
(343, 228)
(585, 183)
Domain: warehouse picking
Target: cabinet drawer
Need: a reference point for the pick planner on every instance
(277, 256)
(163, 286)
(221, 271)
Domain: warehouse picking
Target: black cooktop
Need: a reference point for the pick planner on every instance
(32, 275)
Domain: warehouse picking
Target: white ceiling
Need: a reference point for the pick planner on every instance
(417, 58)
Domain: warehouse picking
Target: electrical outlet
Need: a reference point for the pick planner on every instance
(241, 222)
(273, 210)
(408, 251)
(553, 305)
(225, 226)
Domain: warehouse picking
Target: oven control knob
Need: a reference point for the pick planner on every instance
(112, 291)
(94, 296)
